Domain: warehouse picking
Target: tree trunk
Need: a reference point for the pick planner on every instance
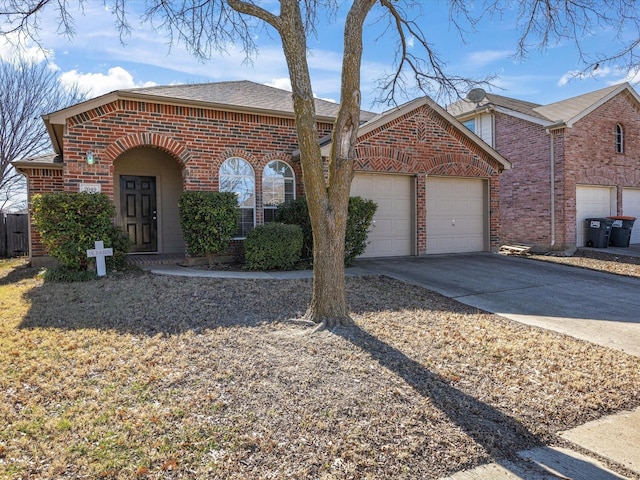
(329, 306)
(327, 198)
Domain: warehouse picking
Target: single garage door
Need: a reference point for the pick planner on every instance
(592, 202)
(631, 208)
(456, 215)
(391, 234)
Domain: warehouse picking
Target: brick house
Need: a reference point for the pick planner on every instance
(144, 147)
(572, 160)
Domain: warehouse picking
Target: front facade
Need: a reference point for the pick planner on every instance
(144, 147)
(572, 160)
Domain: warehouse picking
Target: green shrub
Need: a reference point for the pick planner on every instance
(62, 274)
(209, 220)
(359, 219)
(121, 244)
(296, 212)
(361, 212)
(70, 223)
(274, 245)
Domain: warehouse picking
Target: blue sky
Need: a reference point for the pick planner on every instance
(96, 59)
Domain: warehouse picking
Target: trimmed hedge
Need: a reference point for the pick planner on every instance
(209, 220)
(69, 223)
(360, 216)
(273, 246)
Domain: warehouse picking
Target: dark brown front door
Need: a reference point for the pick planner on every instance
(138, 210)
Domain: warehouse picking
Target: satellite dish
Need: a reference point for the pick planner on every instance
(476, 95)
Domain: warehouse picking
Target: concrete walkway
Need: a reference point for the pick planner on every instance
(593, 306)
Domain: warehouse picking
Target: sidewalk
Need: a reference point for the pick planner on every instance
(612, 441)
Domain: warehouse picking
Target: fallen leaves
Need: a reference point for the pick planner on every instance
(152, 382)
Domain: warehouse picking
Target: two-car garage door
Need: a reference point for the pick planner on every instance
(456, 218)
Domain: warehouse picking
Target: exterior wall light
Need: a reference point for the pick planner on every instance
(90, 159)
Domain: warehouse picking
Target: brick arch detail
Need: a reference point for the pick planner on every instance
(375, 158)
(387, 159)
(153, 140)
(594, 176)
(270, 157)
(238, 152)
(459, 165)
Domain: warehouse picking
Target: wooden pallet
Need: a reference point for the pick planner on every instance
(514, 249)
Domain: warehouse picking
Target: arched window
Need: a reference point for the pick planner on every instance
(278, 186)
(236, 175)
(619, 139)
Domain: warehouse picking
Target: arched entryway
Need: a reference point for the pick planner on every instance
(147, 187)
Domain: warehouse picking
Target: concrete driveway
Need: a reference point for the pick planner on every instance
(598, 307)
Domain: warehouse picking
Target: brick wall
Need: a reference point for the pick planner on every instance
(591, 157)
(41, 180)
(199, 139)
(584, 154)
(525, 200)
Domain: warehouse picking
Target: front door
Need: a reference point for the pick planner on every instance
(138, 211)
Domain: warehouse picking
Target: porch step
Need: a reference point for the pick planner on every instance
(155, 259)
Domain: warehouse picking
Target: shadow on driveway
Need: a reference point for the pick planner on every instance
(595, 306)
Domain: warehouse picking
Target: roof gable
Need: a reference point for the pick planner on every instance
(391, 115)
(573, 109)
(563, 113)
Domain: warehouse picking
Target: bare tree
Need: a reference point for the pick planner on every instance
(29, 90)
(208, 26)
(13, 191)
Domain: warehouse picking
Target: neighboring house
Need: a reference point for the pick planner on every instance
(572, 160)
(435, 183)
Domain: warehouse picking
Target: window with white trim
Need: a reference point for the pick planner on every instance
(470, 124)
(619, 139)
(236, 175)
(278, 186)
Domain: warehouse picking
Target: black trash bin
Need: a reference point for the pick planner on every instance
(599, 231)
(621, 231)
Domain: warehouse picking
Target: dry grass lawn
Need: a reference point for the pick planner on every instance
(143, 376)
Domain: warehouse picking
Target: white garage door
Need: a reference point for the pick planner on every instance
(592, 202)
(631, 208)
(391, 232)
(456, 218)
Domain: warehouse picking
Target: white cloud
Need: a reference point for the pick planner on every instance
(95, 84)
(14, 46)
(281, 83)
(482, 58)
(632, 76)
(582, 75)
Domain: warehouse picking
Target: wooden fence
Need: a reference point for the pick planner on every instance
(14, 235)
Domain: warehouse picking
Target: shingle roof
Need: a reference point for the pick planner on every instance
(465, 106)
(564, 111)
(52, 159)
(243, 94)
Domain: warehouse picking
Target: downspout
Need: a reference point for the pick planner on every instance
(552, 171)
